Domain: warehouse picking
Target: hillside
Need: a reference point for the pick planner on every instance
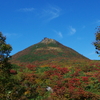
(49, 64)
(48, 50)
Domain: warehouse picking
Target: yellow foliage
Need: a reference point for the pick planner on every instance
(27, 92)
(38, 81)
(44, 66)
(69, 67)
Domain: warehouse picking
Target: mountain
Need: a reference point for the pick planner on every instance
(46, 51)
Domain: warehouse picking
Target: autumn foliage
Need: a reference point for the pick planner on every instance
(68, 83)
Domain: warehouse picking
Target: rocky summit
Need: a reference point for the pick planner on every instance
(47, 41)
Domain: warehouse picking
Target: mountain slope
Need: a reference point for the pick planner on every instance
(47, 50)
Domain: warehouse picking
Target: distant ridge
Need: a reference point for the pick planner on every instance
(47, 50)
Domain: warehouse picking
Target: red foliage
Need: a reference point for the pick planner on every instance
(62, 70)
(56, 74)
(30, 77)
(31, 67)
(58, 71)
(54, 66)
(12, 71)
(75, 74)
(59, 90)
(74, 82)
(85, 79)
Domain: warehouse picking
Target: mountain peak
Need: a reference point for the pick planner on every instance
(47, 50)
(47, 41)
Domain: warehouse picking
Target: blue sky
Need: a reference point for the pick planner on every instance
(71, 22)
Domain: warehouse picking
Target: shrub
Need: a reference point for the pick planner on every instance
(12, 71)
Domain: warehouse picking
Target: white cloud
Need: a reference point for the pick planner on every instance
(92, 53)
(58, 33)
(51, 13)
(10, 35)
(98, 21)
(72, 30)
(26, 9)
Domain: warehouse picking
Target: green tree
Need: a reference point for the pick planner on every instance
(5, 66)
(5, 50)
(97, 42)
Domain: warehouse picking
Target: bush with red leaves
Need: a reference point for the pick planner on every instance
(12, 71)
(31, 67)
